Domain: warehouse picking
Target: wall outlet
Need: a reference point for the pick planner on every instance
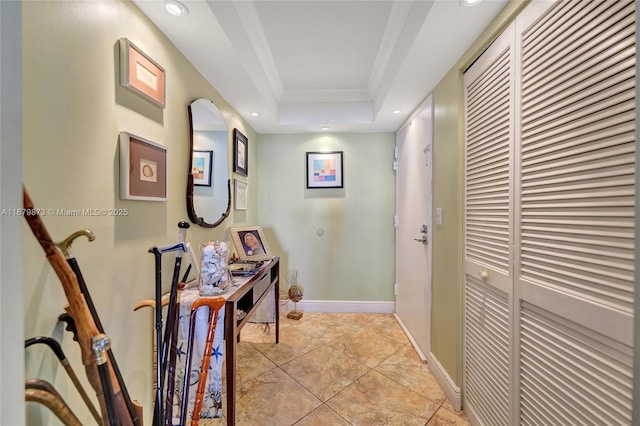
(395, 289)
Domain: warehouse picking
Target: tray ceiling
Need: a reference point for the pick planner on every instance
(303, 65)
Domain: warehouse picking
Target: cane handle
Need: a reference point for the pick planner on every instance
(151, 303)
(65, 245)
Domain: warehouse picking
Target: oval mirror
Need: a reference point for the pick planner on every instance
(208, 184)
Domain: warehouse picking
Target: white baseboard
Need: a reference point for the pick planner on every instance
(450, 389)
(344, 306)
(421, 354)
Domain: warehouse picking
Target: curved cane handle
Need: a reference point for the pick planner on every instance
(65, 245)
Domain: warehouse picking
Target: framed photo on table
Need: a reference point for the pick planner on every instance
(250, 243)
(201, 167)
(143, 169)
(324, 170)
(141, 74)
(240, 153)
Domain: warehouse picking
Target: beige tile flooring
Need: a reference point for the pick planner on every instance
(336, 369)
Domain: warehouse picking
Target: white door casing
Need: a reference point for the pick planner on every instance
(413, 209)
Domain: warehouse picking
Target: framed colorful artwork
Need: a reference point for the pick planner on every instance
(141, 74)
(201, 167)
(324, 170)
(143, 169)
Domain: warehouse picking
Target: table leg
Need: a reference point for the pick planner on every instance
(230, 329)
(276, 293)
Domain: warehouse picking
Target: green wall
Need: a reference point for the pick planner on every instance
(341, 241)
(73, 111)
(448, 186)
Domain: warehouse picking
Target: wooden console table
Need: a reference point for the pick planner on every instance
(247, 297)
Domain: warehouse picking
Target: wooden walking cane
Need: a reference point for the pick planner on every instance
(42, 392)
(134, 408)
(57, 350)
(77, 309)
(152, 304)
(214, 304)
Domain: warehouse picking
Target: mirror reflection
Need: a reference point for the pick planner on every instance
(208, 187)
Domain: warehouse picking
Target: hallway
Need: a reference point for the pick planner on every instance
(336, 369)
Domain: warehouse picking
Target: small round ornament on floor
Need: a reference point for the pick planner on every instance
(295, 295)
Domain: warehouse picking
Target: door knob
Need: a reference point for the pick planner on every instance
(422, 240)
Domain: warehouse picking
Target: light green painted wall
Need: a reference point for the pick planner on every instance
(73, 111)
(447, 309)
(355, 257)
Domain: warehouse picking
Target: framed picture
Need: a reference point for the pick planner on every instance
(143, 169)
(240, 153)
(250, 243)
(324, 170)
(201, 167)
(141, 74)
(240, 194)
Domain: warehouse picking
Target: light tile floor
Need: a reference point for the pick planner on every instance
(336, 369)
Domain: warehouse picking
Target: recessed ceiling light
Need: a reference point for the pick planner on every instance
(325, 128)
(470, 2)
(395, 111)
(176, 8)
(255, 114)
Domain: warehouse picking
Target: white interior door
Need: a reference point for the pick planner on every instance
(413, 227)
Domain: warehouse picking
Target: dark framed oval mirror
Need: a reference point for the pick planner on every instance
(208, 183)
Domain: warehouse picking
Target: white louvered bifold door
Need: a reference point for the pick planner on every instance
(488, 283)
(575, 150)
(549, 219)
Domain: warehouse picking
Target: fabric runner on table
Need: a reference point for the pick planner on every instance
(212, 403)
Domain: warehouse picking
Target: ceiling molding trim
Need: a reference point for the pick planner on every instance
(418, 15)
(235, 28)
(255, 33)
(326, 95)
(320, 113)
(397, 18)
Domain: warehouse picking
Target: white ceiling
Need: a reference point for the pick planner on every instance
(305, 64)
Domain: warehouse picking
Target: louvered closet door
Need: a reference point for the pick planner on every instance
(575, 198)
(488, 282)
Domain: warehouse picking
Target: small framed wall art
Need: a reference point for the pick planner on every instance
(240, 153)
(201, 167)
(324, 170)
(240, 194)
(141, 74)
(250, 243)
(143, 169)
